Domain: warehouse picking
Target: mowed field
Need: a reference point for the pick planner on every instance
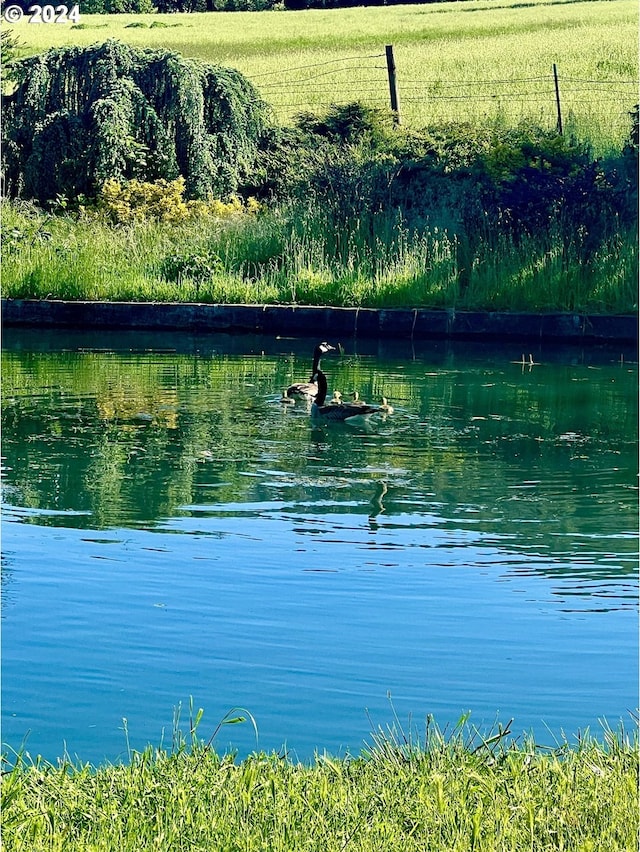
(473, 60)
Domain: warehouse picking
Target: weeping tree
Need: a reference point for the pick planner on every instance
(79, 116)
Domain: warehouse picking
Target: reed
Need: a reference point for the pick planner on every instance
(460, 789)
(289, 256)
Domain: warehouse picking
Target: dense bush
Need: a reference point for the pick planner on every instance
(9, 46)
(147, 133)
(160, 201)
(202, 5)
(296, 5)
(81, 116)
(367, 185)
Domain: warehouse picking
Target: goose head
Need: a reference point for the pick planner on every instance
(320, 350)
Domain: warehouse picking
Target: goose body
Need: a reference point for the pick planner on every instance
(308, 390)
(337, 412)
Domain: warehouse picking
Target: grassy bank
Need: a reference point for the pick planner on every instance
(285, 256)
(463, 61)
(461, 792)
(481, 206)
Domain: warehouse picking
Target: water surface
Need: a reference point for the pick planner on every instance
(171, 530)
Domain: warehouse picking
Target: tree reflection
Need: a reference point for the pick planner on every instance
(538, 456)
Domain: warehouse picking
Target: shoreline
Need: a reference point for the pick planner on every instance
(402, 323)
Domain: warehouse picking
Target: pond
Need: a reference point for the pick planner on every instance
(173, 533)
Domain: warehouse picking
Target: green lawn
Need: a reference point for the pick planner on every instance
(471, 60)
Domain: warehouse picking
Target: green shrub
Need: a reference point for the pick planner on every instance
(356, 176)
(82, 116)
(188, 265)
(162, 201)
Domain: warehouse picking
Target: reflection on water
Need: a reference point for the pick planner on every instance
(172, 529)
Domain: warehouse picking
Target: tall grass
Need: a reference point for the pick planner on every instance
(293, 256)
(460, 790)
(456, 61)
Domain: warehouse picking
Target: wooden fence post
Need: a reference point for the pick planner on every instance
(393, 87)
(555, 80)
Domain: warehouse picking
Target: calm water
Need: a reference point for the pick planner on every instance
(171, 530)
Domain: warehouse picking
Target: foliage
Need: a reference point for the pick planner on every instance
(9, 47)
(97, 7)
(494, 194)
(190, 265)
(362, 212)
(465, 790)
(295, 254)
(214, 5)
(80, 117)
(162, 201)
(633, 142)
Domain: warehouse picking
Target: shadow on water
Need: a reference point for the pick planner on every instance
(243, 344)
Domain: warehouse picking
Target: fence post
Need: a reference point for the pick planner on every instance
(393, 87)
(555, 80)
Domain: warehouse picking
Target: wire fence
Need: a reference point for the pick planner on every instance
(305, 86)
(430, 99)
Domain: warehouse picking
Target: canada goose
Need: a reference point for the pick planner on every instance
(336, 399)
(385, 407)
(336, 413)
(285, 399)
(310, 389)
